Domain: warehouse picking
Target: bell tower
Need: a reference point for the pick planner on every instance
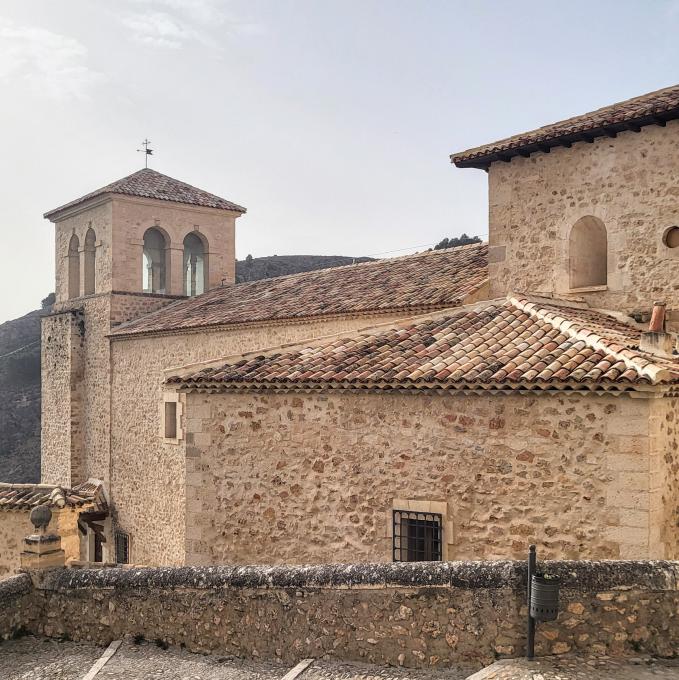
(121, 251)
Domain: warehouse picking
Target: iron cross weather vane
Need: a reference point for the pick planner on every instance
(147, 151)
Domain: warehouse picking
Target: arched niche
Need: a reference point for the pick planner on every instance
(588, 253)
(89, 257)
(154, 261)
(195, 264)
(73, 267)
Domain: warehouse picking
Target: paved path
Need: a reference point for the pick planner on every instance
(570, 668)
(328, 670)
(33, 658)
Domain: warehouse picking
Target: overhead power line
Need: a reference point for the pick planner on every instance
(20, 349)
(423, 245)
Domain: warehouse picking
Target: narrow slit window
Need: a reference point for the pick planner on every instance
(98, 547)
(122, 541)
(170, 420)
(417, 536)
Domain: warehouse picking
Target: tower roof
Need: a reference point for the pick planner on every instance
(147, 183)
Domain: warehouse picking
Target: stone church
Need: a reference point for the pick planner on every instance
(453, 404)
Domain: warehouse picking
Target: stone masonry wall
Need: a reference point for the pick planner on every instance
(418, 614)
(664, 479)
(76, 362)
(149, 475)
(628, 182)
(312, 478)
(62, 371)
(126, 306)
(17, 599)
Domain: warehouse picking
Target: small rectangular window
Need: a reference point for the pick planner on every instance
(417, 536)
(122, 547)
(170, 420)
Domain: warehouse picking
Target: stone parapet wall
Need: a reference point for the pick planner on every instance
(17, 599)
(418, 614)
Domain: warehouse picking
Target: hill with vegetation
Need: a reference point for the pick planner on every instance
(20, 398)
(255, 268)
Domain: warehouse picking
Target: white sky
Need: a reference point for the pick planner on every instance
(330, 120)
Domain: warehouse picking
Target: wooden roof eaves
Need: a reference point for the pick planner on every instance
(483, 160)
(613, 389)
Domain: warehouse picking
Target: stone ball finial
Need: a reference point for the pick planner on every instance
(41, 516)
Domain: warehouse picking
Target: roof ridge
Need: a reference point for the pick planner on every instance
(576, 330)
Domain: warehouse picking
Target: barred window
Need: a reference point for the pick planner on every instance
(417, 536)
(122, 541)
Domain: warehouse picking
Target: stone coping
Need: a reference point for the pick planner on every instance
(13, 587)
(587, 576)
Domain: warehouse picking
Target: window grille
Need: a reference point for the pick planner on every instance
(417, 536)
(122, 547)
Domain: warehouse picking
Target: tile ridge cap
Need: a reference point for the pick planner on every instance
(577, 331)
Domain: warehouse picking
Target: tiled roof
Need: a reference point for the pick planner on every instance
(513, 343)
(147, 183)
(648, 109)
(432, 280)
(27, 496)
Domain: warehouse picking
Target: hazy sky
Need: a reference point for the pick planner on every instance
(330, 120)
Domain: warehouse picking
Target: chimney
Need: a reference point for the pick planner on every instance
(656, 340)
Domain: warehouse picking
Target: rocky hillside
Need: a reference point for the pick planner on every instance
(20, 397)
(254, 268)
(20, 367)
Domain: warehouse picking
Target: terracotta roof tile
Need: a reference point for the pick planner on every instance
(652, 108)
(513, 343)
(27, 496)
(147, 183)
(435, 279)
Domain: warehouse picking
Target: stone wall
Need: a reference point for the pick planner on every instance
(627, 182)
(149, 475)
(419, 615)
(62, 371)
(664, 477)
(295, 478)
(76, 380)
(17, 599)
(15, 525)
